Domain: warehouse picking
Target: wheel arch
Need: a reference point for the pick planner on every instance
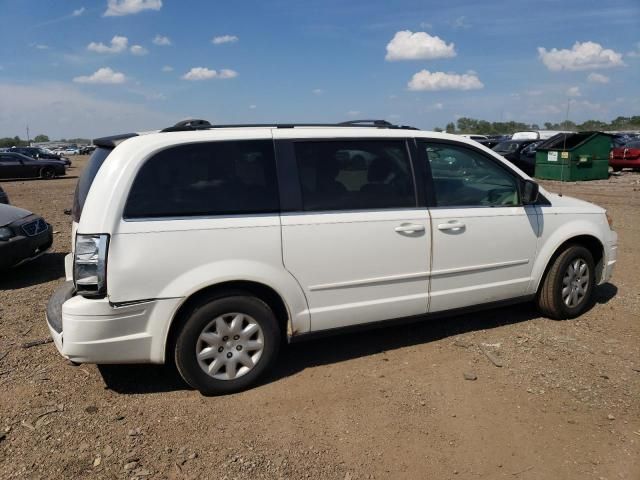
(267, 294)
(590, 242)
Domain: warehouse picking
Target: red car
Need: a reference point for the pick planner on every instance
(627, 156)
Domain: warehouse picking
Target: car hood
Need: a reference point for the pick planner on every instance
(573, 204)
(9, 213)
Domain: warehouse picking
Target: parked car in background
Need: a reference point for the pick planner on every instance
(4, 198)
(528, 156)
(39, 154)
(16, 165)
(87, 149)
(626, 156)
(511, 150)
(23, 236)
(71, 151)
(305, 242)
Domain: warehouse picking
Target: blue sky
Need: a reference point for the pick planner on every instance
(91, 68)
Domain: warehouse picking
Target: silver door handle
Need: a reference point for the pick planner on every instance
(409, 228)
(450, 226)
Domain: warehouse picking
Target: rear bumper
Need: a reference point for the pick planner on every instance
(95, 331)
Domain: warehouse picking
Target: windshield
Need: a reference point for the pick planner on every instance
(86, 179)
(506, 147)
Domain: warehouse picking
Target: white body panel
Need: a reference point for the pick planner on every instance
(330, 269)
(488, 256)
(356, 267)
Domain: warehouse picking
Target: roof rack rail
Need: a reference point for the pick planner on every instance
(372, 123)
(189, 124)
(197, 124)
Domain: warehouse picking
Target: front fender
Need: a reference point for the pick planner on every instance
(555, 231)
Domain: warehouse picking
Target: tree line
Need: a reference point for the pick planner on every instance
(483, 127)
(7, 142)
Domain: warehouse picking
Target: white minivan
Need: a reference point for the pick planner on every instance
(209, 246)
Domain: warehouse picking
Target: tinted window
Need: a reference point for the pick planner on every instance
(634, 144)
(354, 175)
(217, 178)
(463, 177)
(86, 179)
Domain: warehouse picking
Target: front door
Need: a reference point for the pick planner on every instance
(10, 166)
(358, 244)
(484, 239)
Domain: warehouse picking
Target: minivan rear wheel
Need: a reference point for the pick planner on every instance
(567, 289)
(227, 344)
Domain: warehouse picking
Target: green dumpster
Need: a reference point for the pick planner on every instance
(570, 157)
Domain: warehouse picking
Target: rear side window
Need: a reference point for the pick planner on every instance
(201, 179)
(355, 175)
(86, 179)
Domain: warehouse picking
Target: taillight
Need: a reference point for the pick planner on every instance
(90, 265)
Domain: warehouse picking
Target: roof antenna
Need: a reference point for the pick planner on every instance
(564, 146)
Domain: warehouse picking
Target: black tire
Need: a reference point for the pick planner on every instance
(47, 173)
(617, 169)
(550, 297)
(187, 342)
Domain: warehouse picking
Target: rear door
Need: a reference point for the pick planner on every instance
(484, 239)
(352, 232)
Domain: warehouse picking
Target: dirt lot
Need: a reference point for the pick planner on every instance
(392, 403)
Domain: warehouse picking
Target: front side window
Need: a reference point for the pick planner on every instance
(463, 177)
(354, 175)
(200, 179)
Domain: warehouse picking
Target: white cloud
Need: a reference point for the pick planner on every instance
(317, 91)
(138, 50)
(118, 8)
(104, 75)
(582, 56)
(118, 44)
(78, 12)
(167, 68)
(597, 78)
(252, 107)
(406, 45)
(203, 73)
(161, 40)
(533, 93)
(224, 39)
(460, 22)
(426, 80)
(634, 53)
(574, 92)
(41, 46)
(438, 106)
(66, 111)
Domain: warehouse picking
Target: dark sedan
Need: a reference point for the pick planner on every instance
(511, 150)
(23, 236)
(16, 165)
(39, 154)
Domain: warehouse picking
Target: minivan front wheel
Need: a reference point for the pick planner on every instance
(226, 344)
(567, 290)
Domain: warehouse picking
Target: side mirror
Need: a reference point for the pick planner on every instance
(530, 190)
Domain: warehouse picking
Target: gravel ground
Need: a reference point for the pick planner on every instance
(499, 394)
